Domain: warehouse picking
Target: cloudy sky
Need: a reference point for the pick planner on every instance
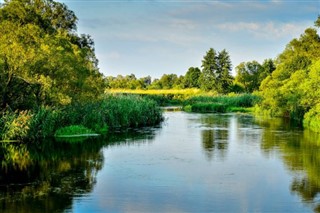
(153, 37)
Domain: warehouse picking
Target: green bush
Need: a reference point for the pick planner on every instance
(14, 125)
(312, 119)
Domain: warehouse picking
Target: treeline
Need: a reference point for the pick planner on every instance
(215, 75)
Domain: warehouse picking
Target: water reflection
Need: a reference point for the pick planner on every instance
(215, 142)
(300, 150)
(242, 163)
(47, 176)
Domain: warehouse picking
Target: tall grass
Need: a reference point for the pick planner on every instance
(111, 112)
(163, 97)
(228, 103)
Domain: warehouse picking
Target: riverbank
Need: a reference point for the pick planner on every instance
(96, 117)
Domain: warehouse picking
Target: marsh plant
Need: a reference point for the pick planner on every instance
(107, 114)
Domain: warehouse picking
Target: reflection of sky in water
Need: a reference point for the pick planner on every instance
(173, 173)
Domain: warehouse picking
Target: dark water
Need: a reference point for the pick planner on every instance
(192, 163)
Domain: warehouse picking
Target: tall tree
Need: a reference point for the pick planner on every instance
(209, 68)
(224, 66)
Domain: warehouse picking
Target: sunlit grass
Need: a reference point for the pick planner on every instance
(189, 92)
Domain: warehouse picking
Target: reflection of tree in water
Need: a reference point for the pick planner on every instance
(215, 139)
(215, 143)
(300, 151)
(44, 177)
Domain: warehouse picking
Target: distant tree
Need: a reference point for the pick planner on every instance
(191, 79)
(268, 67)
(248, 74)
(317, 22)
(208, 76)
(224, 78)
(179, 83)
(216, 71)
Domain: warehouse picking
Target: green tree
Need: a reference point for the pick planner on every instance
(43, 61)
(191, 79)
(208, 76)
(248, 74)
(291, 88)
(224, 78)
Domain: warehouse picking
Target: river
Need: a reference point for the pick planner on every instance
(191, 163)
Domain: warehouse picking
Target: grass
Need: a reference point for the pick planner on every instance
(163, 97)
(221, 104)
(107, 114)
(74, 130)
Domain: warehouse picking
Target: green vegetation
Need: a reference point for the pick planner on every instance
(73, 130)
(221, 104)
(110, 113)
(50, 81)
(293, 88)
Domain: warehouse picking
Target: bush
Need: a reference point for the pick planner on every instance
(15, 125)
(312, 119)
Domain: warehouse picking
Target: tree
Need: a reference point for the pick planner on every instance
(44, 57)
(224, 78)
(248, 75)
(292, 88)
(209, 68)
(216, 71)
(191, 79)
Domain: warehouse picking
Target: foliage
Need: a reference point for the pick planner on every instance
(231, 103)
(208, 107)
(127, 82)
(312, 119)
(111, 112)
(44, 122)
(293, 88)
(216, 69)
(191, 79)
(162, 97)
(44, 62)
(14, 125)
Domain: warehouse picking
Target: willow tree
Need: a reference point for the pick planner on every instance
(43, 61)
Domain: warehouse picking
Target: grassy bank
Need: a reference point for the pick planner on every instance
(195, 100)
(110, 113)
(221, 104)
(163, 97)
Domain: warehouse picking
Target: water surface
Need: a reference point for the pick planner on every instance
(192, 163)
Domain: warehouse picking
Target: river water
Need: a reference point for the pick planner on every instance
(191, 163)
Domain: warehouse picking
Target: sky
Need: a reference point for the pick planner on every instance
(156, 37)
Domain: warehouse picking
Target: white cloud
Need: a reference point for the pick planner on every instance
(266, 30)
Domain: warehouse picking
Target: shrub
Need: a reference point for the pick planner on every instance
(15, 125)
(312, 119)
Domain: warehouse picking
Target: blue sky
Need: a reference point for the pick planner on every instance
(168, 36)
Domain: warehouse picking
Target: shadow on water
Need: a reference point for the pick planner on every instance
(46, 176)
(300, 151)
